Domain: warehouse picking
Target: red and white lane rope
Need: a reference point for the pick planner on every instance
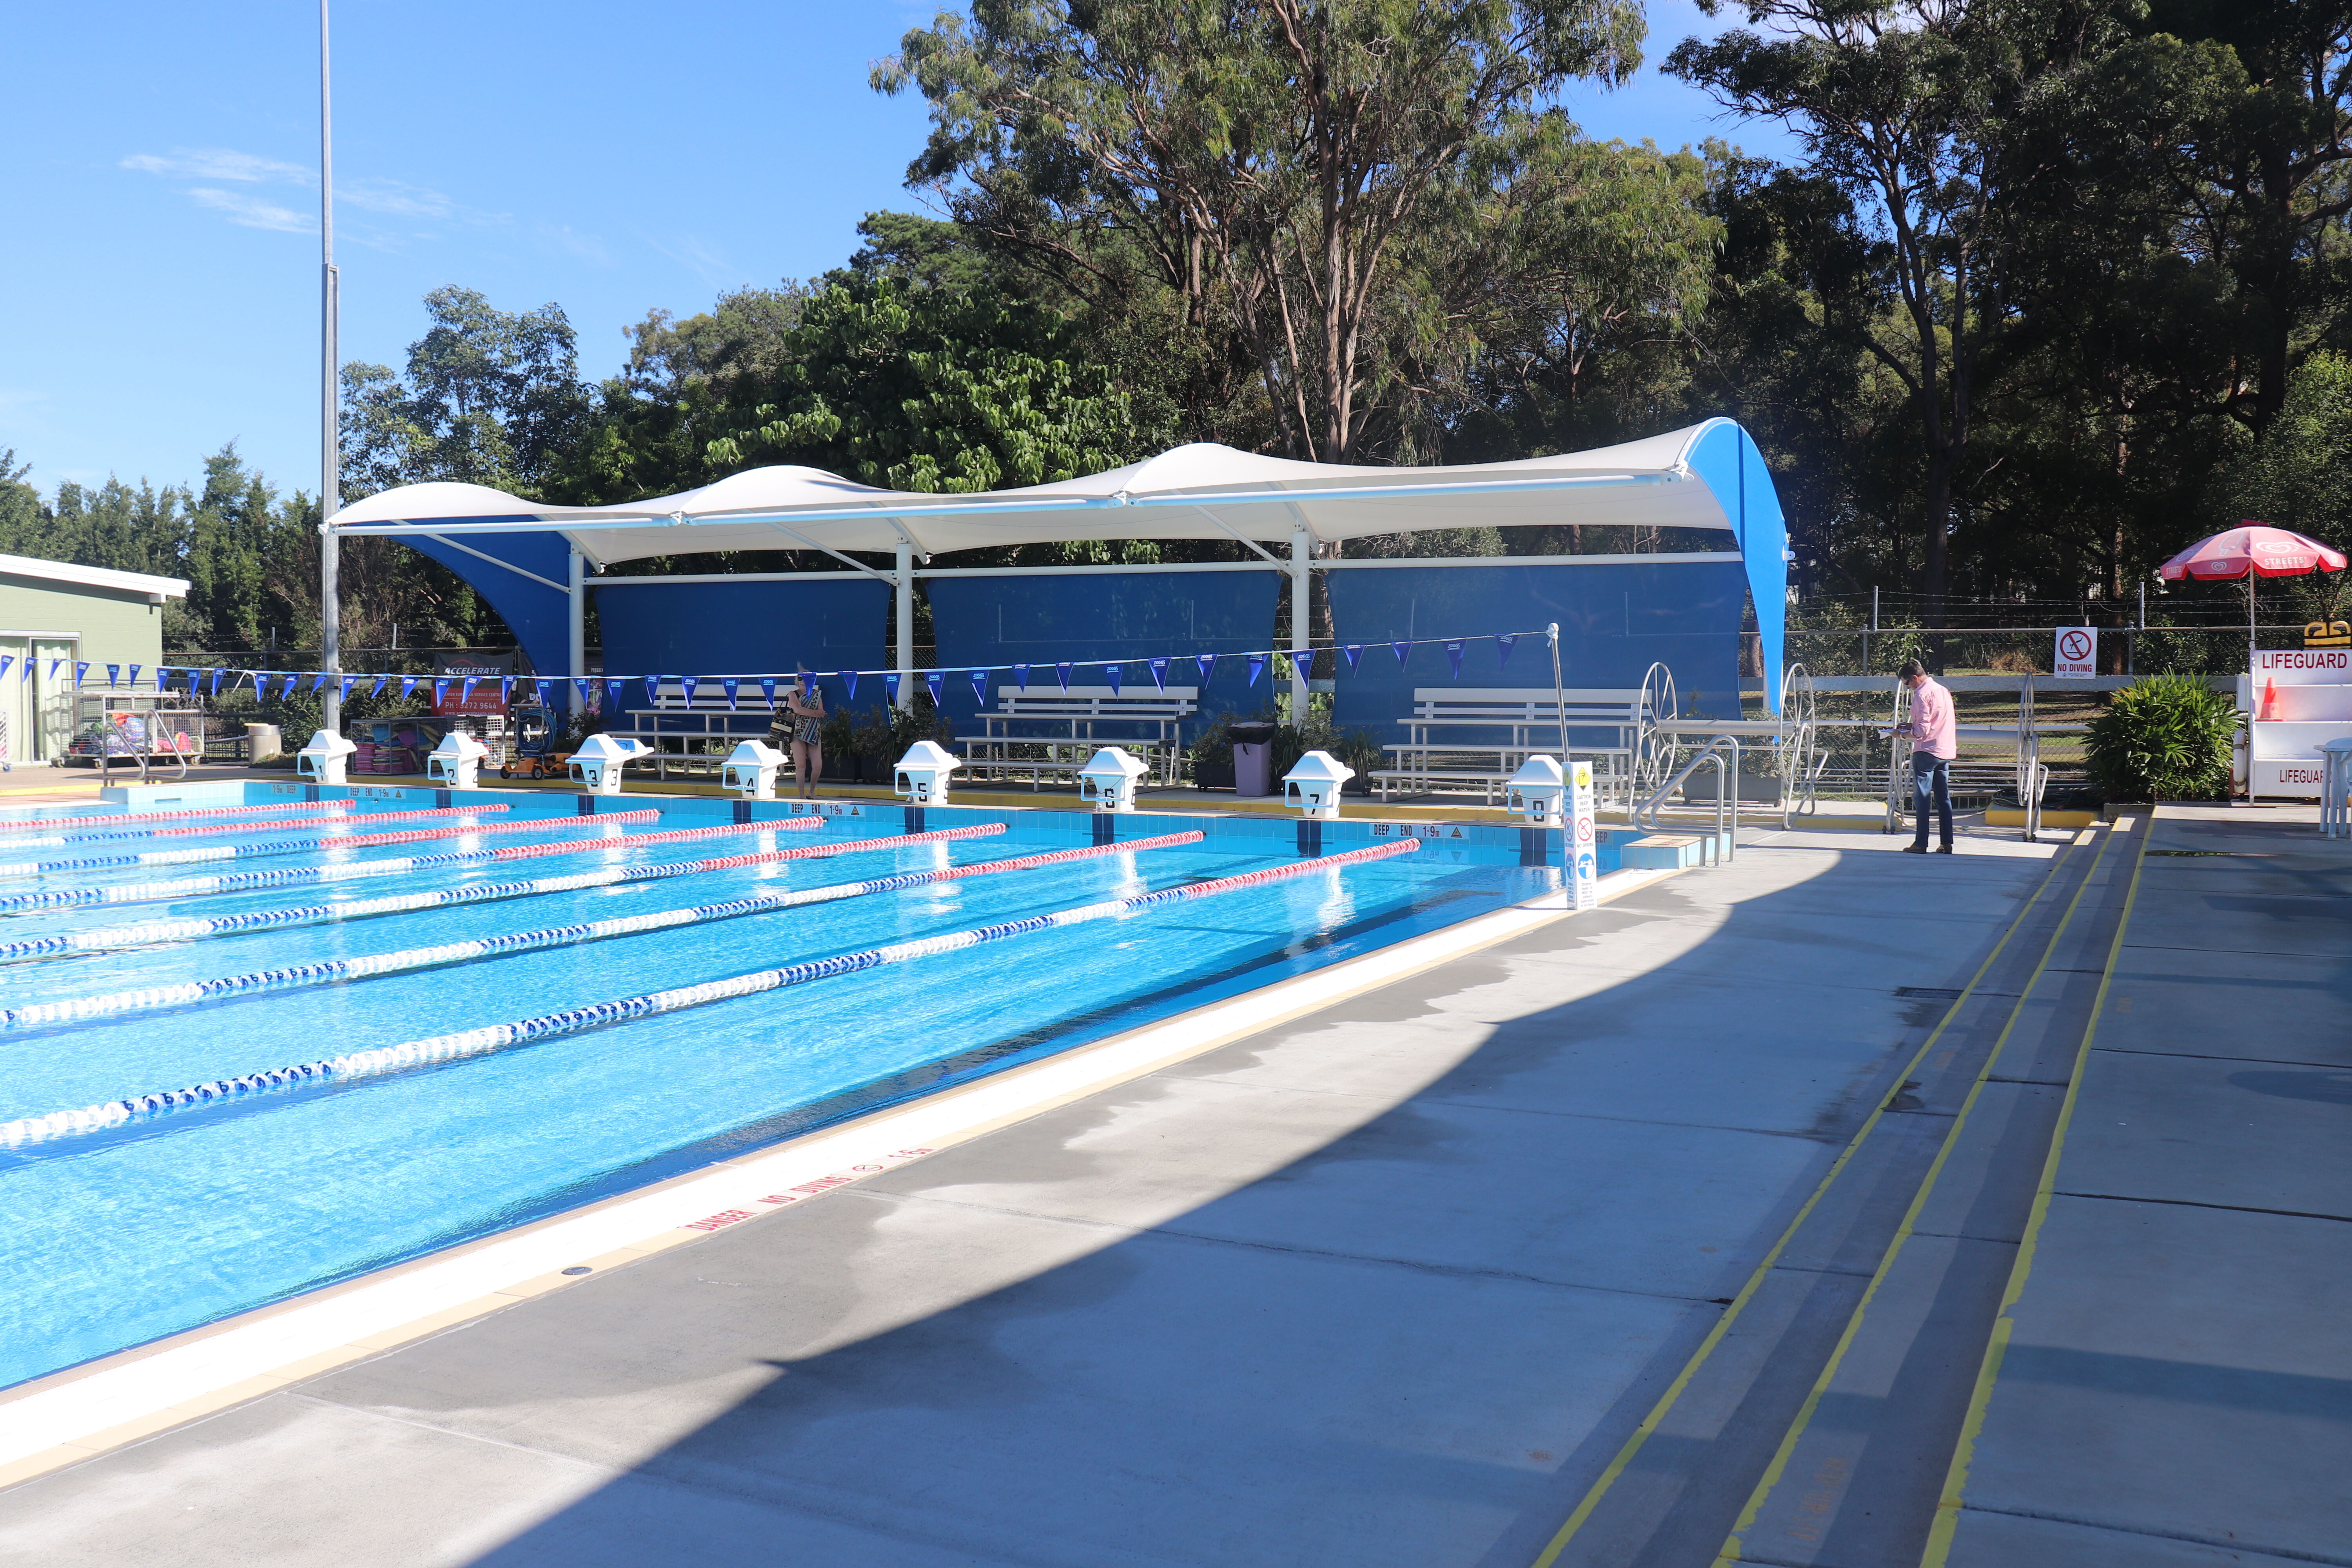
(363, 819)
(147, 932)
(322, 806)
(500, 1036)
(319, 841)
(330, 971)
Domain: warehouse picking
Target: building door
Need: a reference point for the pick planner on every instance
(51, 697)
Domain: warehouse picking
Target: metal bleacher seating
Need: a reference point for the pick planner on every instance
(1046, 729)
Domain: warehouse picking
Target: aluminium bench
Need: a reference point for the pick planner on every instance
(1046, 729)
(1478, 737)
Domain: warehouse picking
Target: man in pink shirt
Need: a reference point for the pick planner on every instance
(1932, 750)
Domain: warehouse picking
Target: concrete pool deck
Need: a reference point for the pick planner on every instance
(1405, 1280)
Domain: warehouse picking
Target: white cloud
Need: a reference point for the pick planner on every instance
(395, 198)
(220, 163)
(252, 212)
(571, 242)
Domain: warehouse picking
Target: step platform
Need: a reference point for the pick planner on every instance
(1671, 851)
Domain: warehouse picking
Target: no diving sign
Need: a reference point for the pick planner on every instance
(2077, 651)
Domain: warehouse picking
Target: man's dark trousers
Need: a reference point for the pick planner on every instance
(1931, 773)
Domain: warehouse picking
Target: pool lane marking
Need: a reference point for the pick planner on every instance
(370, 965)
(550, 823)
(1731, 1552)
(383, 1060)
(361, 819)
(1956, 1478)
(78, 1413)
(312, 806)
(1666, 1400)
(150, 931)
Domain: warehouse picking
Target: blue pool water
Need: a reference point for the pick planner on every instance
(114, 1238)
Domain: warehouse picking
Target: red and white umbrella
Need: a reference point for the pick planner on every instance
(2251, 550)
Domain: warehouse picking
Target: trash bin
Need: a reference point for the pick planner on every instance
(1253, 759)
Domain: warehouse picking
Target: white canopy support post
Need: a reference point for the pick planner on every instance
(1301, 548)
(903, 591)
(330, 591)
(576, 640)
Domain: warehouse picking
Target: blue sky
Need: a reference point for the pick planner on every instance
(161, 182)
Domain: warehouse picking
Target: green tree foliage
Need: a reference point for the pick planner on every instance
(2297, 478)
(1275, 165)
(2167, 737)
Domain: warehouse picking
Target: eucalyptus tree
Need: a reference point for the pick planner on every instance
(1268, 164)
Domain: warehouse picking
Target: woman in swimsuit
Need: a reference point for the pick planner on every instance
(807, 718)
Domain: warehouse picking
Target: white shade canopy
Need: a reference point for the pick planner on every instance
(1197, 491)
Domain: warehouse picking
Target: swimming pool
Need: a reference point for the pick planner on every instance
(518, 920)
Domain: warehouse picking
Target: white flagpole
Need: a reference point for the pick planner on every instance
(330, 609)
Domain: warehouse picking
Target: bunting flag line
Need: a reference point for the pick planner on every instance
(730, 685)
(1113, 674)
(1021, 676)
(1257, 667)
(1159, 674)
(1453, 656)
(1404, 652)
(1063, 672)
(1355, 652)
(849, 683)
(890, 685)
(980, 686)
(934, 679)
(1207, 663)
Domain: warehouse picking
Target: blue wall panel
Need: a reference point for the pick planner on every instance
(749, 628)
(1614, 621)
(1131, 616)
(538, 614)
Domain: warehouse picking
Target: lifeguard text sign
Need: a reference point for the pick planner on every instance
(2077, 651)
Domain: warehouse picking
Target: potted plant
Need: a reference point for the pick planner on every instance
(1211, 753)
(2164, 737)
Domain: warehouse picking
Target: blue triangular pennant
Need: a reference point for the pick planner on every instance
(849, 683)
(441, 694)
(505, 689)
(1453, 656)
(1208, 665)
(466, 690)
(1112, 674)
(686, 683)
(134, 676)
(408, 684)
(291, 682)
(1404, 652)
(980, 686)
(808, 685)
(890, 685)
(79, 670)
(114, 675)
(1159, 673)
(8, 658)
(583, 685)
(347, 681)
(1021, 676)
(730, 685)
(1503, 647)
(767, 689)
(316, 681)
(1256, 668)
(377, 689)
(1355, 652)
(934, 679)
(1062, 673)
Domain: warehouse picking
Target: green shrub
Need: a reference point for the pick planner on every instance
(2165, 737)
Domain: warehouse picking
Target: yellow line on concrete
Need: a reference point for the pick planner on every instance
(1675, 1390)
(1731, 1552)
(1956, 1478)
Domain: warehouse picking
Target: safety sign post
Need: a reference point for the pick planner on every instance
(1584, 842)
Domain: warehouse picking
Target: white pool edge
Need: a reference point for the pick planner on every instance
(80, 1413)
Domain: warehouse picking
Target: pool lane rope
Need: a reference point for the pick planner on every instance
(548, 824)
(146, 933)
(332, 971)
(364, 819)
(375, 1063)
(105, 817)
(243, 881)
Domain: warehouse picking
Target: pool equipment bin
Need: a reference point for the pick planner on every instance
(1252, 758)
(922, 776)
(2336, 760)
(263, 743)
(751, 770)
(1313, 785)
(1108, 781)
(600, 759)
(457, 761)
(1538, 791)
(327, 758)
